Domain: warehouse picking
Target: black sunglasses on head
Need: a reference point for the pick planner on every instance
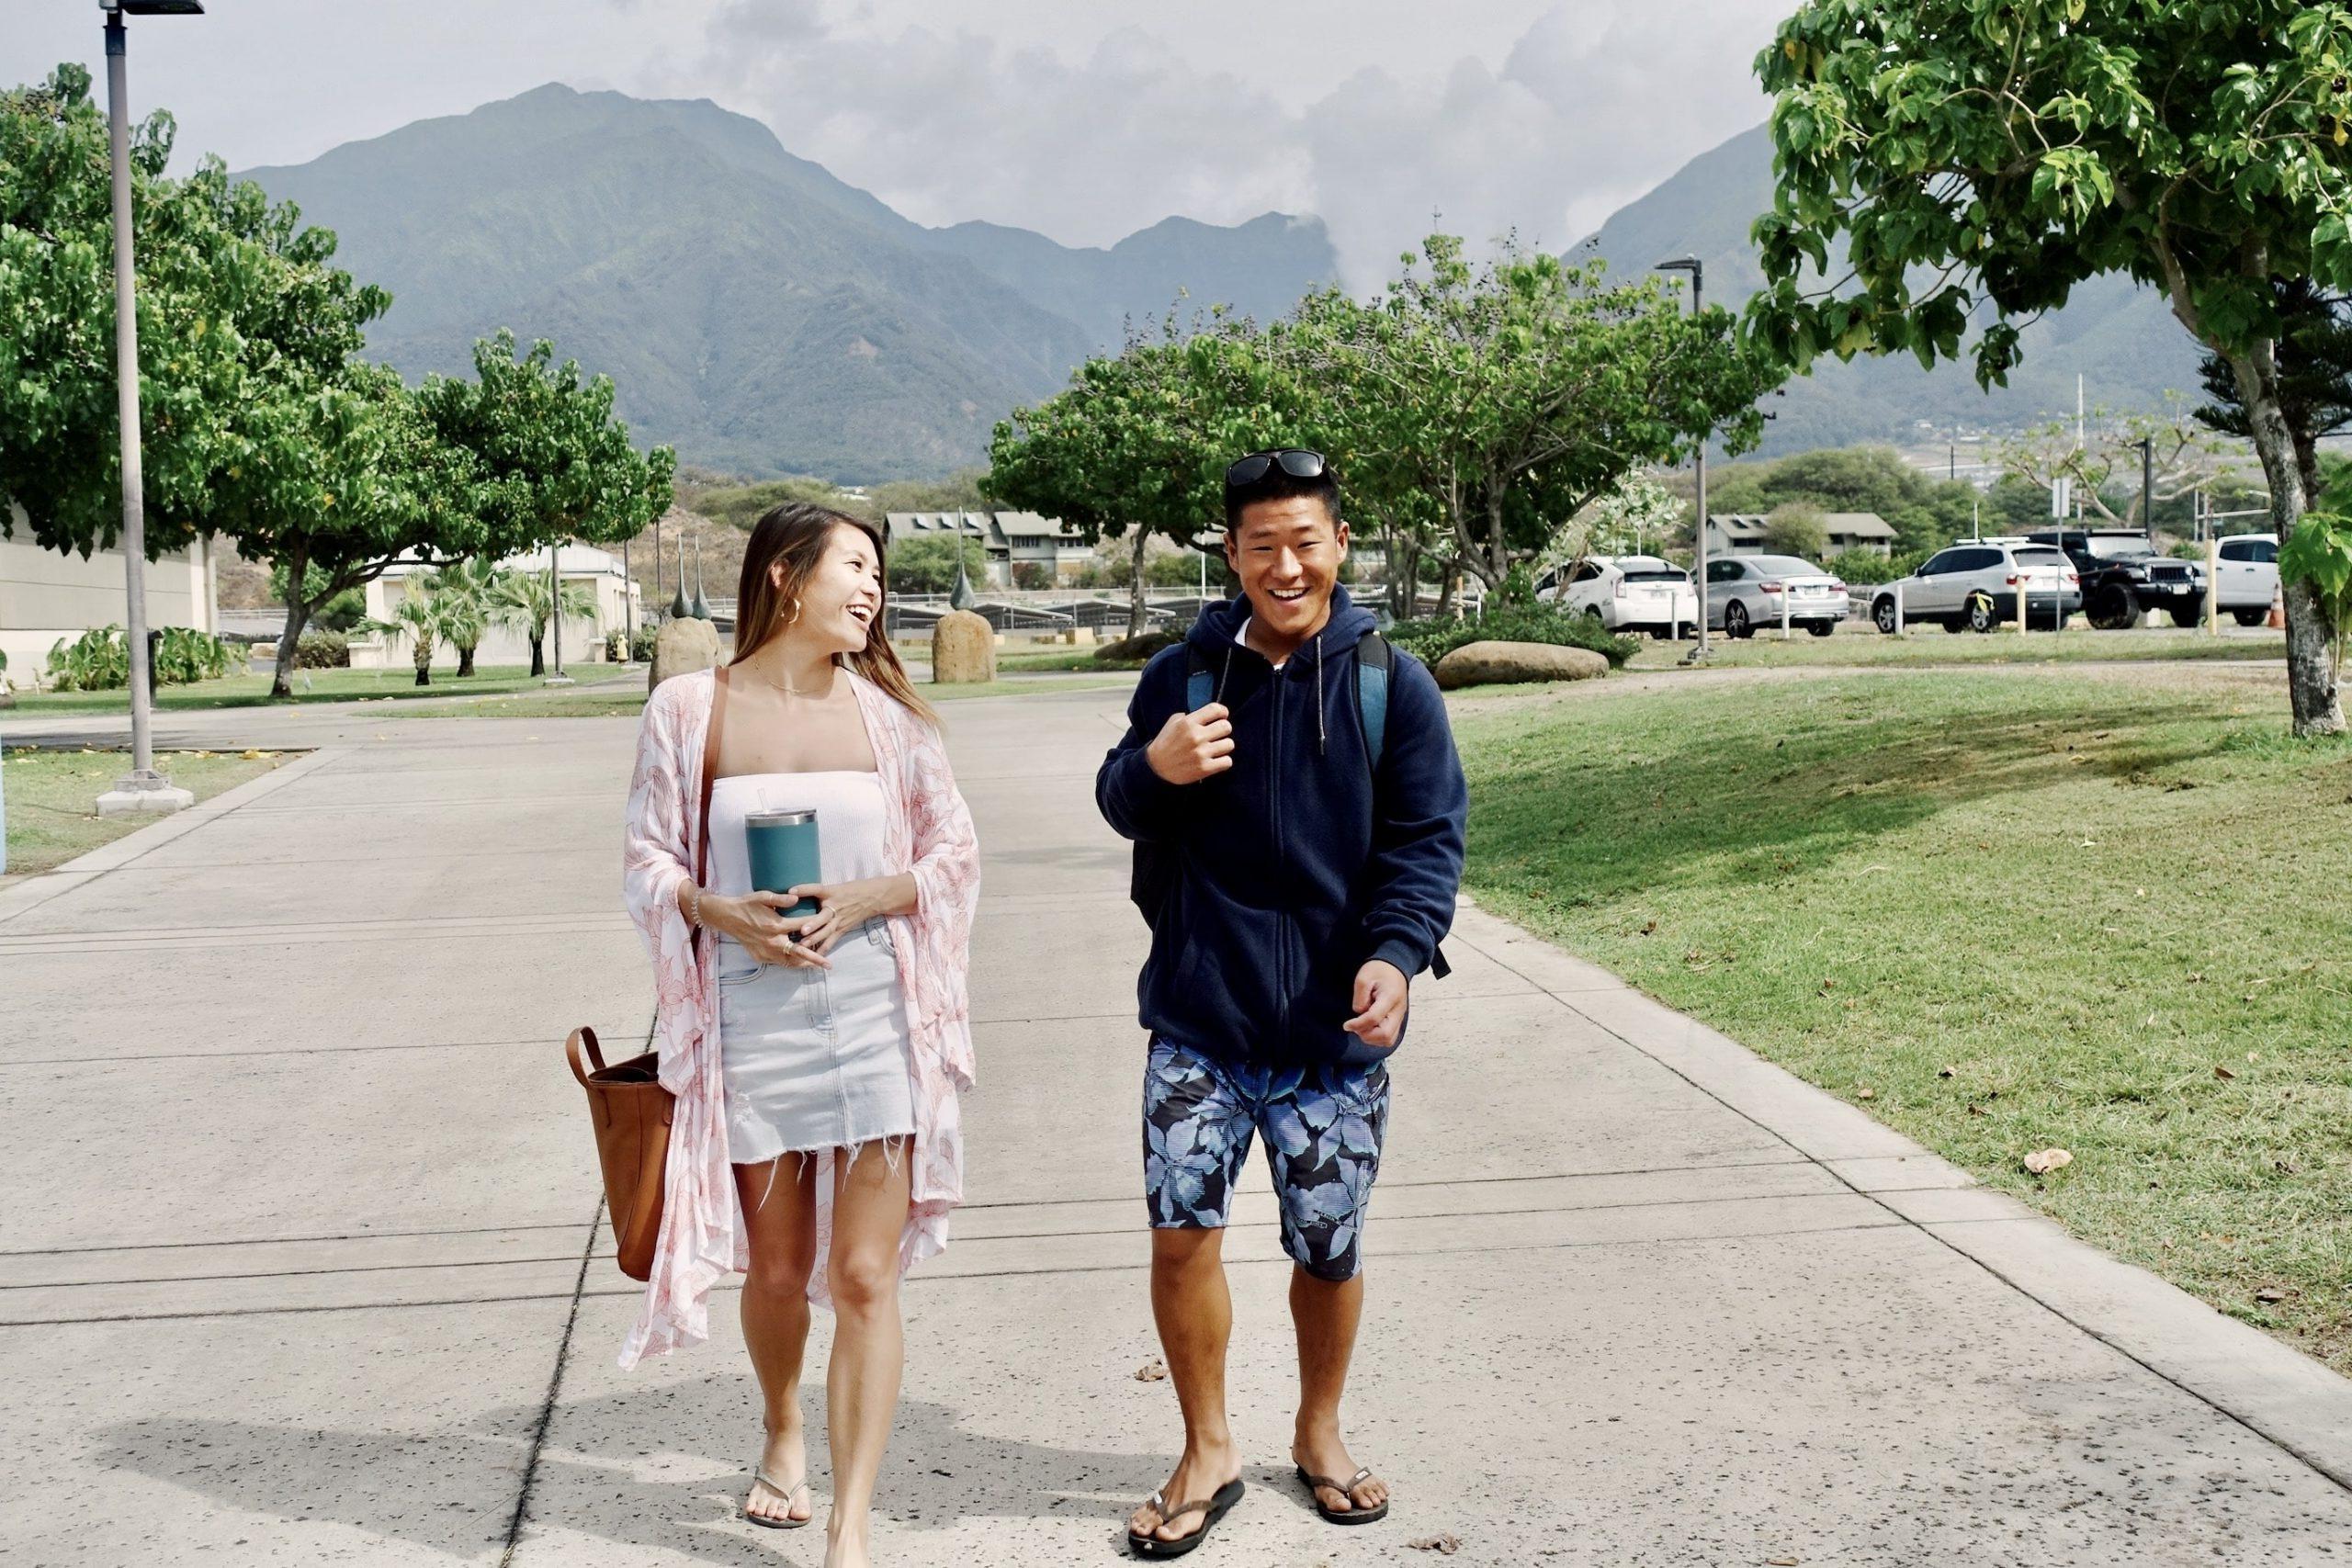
(1296, 461)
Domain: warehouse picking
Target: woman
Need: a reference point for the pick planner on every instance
(816, 1060)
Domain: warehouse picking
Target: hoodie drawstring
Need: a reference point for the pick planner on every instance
(1319, 735)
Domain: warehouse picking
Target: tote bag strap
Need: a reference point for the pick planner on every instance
(709, 771)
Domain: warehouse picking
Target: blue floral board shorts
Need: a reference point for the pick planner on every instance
(1322, 1124)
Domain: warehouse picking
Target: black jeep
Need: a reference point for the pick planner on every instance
(2122, 575)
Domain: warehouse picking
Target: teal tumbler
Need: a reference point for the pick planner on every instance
(784, 855)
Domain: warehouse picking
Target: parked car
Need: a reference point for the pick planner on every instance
(1629, 594)
(1747, 591)
(1974, 587)
(2249, 576)
(2122, 575)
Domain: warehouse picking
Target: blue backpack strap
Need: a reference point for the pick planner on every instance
(1374, 659)
(1200, 680)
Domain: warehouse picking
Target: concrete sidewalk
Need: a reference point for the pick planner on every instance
(307, 1267)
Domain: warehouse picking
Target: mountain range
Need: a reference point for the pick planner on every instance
(767, 318)
(2121, 338)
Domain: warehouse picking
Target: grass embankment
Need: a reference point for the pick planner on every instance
(53, 796)
(1862, 645)
(324, 686)
(2009, 910)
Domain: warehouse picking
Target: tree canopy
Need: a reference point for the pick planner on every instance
(1942, 158)
(260, 419)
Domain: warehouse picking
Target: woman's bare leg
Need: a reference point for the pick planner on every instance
(780, 1224)
(869, 1345)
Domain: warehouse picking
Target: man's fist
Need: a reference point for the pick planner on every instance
(1382, 994)
(1191, 746)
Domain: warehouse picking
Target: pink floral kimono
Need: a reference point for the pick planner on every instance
(928, 832)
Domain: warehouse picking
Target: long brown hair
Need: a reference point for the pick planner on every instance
(795, 535)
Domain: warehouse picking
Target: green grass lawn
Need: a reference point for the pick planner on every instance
(52, 796)
(1030, 661)
(325, 687)
(2006, 910)
(1855, 644)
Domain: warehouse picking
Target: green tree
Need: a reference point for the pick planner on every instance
(1797, 528)
(927, 565)
(423, 617)
(1967, 152)
(2184, 457)
(1513, 394)
(1137, 444)
(519, 597)
(2314, 376)
(472, 600)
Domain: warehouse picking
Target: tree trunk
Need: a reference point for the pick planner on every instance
(1448, 575)
(466, 659)
(538, 658)
(1135, 583)
(424, 672)
(281, 680)
(2311, 681)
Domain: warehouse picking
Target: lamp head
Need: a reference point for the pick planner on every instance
(152, 7)
(1679, 263)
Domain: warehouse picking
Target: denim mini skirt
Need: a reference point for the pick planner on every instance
(814, 1058)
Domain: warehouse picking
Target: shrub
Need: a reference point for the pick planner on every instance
(322, 650)
(640, 650)
(1432, 639)
(97, 660)
(185, 656)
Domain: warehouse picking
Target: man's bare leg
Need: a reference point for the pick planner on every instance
(1194, 1313)
(1326, 1313)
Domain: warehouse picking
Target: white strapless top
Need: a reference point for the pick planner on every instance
(849, 822)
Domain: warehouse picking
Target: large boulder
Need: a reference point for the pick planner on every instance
(683, 646)
(963, 649)
(1499, 663)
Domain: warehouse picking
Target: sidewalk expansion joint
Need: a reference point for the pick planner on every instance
(555, 1391)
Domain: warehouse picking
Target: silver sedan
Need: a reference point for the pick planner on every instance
(1745, 592)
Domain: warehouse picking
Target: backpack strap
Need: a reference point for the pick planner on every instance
(1200, 680)
(1374, 659)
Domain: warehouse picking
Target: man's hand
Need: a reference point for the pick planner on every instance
(1382, 993)
(1191, 746)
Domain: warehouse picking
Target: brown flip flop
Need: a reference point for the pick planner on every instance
(1211, 1510)
(1349, 1515)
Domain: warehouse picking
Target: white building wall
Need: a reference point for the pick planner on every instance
(45, 594)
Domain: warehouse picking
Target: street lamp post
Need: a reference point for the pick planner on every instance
(1697, 270)
(142, 788)
(556, 677)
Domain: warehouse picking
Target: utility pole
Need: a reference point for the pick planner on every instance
(142, 788)
(1699, 651)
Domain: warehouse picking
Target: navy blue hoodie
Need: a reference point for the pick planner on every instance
(1294, 867)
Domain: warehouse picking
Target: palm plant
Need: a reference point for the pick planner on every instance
(468, 593)
(523, 594)
(421, 616)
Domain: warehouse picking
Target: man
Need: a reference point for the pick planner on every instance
(1297, 808)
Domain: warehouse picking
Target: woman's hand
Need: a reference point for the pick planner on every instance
(770, 936)
(842, 908)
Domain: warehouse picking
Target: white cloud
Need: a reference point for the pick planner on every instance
(1590, 106)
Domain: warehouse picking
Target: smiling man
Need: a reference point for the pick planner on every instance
(1297, 806)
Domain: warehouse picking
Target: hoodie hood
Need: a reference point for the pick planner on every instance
(1219, 623)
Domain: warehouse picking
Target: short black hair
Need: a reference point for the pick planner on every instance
(1276, 485)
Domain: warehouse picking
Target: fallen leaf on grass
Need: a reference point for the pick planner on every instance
(1444, 1545)
(2041, 1162)
(1947, 1072)
(1151, 1371)
(2223, 1073)
(1866, 1094)
(2269, 1294)
(1978, 1111)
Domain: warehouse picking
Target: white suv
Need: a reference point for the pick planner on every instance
(1973, 586)
(1630, 594)
(2247, 578)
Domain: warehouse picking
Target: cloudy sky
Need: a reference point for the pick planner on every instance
(1085, 120)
